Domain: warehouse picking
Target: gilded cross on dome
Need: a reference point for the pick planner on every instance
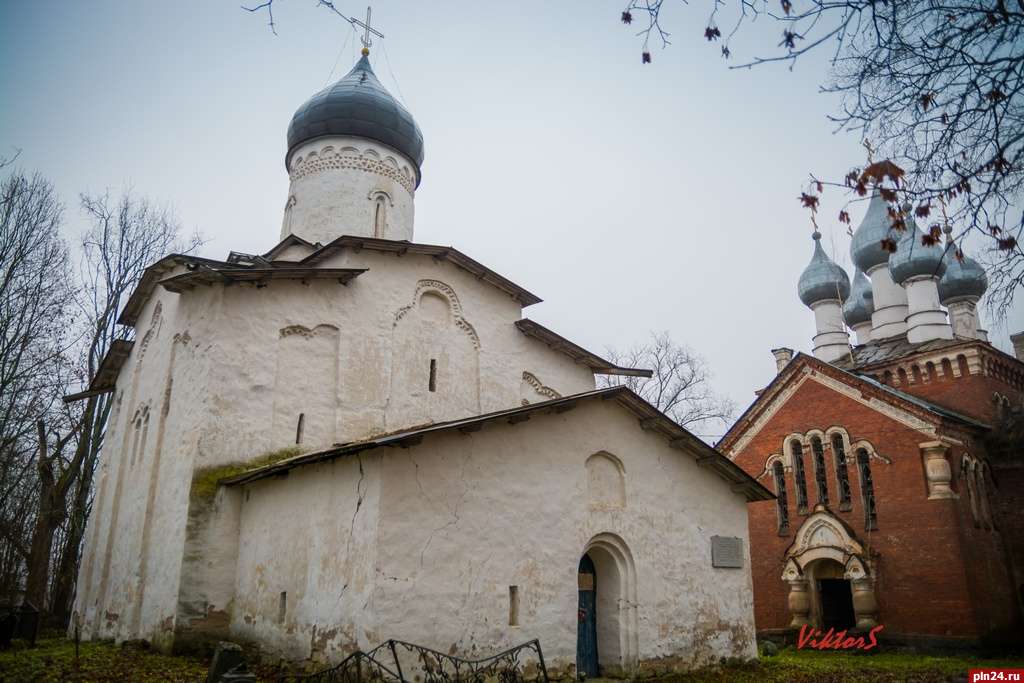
(366, 40)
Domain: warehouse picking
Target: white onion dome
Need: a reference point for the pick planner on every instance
(913, 258)
(962, 279)
(866, 248)
(861, 304)
(822, 279)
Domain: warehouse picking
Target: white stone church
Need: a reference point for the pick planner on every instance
(355, 437)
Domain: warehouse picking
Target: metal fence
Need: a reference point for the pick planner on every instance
(396, 661)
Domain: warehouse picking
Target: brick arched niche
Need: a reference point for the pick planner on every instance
(615, 578)
(823, 542)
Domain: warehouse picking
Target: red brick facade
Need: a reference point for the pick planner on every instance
(938, 566)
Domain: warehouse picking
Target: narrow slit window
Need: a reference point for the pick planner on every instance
(513, 605)
(842, 475)
(432, 384)
(820, 473)
(799, 477)
(282, 606)
(299, 427)
(780, 498)
(867, 487)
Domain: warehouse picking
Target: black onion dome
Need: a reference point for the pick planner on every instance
(357, 105)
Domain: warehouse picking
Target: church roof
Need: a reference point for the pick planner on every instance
(358, 105)
(579, 354)
(869, 388)
(441, 253)
(204, 271)
(106, 375)
(649, 418)
(151, 278)
(885, 351)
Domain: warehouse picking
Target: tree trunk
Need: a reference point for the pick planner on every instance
(67, 573)
(47, 520)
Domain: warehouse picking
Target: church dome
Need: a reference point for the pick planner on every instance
(912, 258)
(866, 248)
(962, 279)
(822, 279)
(861, 304)
(359, 106)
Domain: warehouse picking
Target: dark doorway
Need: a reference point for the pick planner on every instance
(586, 629)
(836, 604)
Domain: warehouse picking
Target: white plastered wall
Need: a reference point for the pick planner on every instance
(445, 527)
(338, 186)
(129, 576)
(213, 373)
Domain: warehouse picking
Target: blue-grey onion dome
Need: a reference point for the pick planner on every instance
(962, 279)
(861, 304)
(357, 105)
(866, 248)
(822, 279)
(912, 258)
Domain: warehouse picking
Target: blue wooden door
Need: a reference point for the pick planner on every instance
(586, 630)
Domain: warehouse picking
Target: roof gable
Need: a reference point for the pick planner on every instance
(911, 411)
(450, 254)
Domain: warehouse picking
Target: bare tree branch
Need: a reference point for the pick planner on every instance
(680, 386)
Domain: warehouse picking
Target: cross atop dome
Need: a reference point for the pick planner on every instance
(367, 31)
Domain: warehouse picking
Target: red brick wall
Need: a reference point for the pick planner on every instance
(935, 572)
(970, 395)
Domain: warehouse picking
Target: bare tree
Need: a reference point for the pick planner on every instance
(34, 324)
(680, 385)
(935, 87)
(54, 337)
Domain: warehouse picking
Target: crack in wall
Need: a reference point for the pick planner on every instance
(453, 510)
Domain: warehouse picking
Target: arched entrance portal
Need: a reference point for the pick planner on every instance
(832, 595)
(830, 584)
(606, 639)
(586, 632)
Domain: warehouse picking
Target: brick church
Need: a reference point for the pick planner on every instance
(896, 460)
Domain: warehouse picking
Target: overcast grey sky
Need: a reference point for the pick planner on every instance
(630, 197)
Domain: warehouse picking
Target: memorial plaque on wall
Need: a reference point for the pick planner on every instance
(727, 552)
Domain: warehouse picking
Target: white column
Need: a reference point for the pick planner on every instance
(890, 316)
(925, 318)
(863, 332)
(782, 358)
(963, 316)
(1018, 345)
(832, 342)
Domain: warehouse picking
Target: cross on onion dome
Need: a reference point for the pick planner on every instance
(365, 39)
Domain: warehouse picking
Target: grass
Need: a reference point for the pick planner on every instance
(54, 660)
(807, 666)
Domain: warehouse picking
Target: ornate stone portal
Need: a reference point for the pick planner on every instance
(825, 541)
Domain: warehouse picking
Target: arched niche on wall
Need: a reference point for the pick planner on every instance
(435, 359)
(606, 482)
